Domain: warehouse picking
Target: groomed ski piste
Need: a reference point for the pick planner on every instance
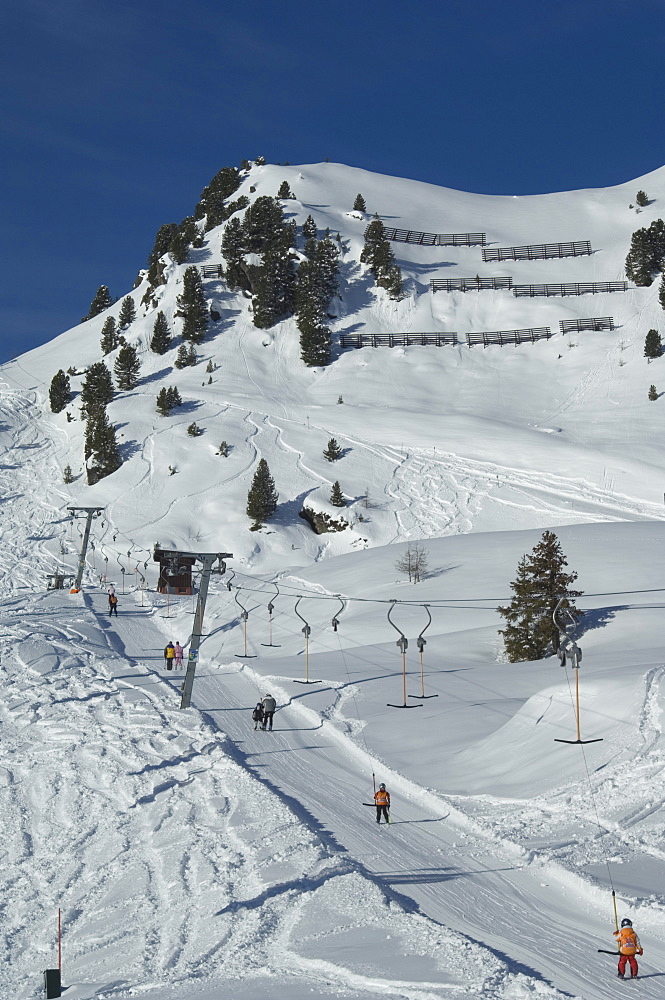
(194, 857)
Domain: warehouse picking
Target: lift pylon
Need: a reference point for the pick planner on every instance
(421, 643)
(306, 631)
(244, 615)
(90, 512)
(271, 608)
(403, 644)
(569, 648)
(208, 559)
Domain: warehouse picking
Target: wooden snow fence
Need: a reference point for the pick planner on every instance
(433, 339)
(443, 338)
(570, 288)
(501, 337)
(538, 251)
(435, 239)
(468, 284)
(211, 270)
(590, 323)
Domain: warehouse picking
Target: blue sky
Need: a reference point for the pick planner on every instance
(115, 114)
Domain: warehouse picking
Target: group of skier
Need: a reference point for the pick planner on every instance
(173, 655)
(264, 712)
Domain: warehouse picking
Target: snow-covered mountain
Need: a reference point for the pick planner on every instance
(185, 854)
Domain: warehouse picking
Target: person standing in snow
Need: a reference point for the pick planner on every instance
(382, 800)
(257, 714)
(178, 654)
(268, 705)
(113, 605)
(111, 591)
(629, 946)
(169, 655)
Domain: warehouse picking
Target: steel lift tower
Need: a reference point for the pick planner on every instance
(208, 559)
(90, 512)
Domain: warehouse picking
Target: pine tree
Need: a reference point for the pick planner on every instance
(309, 228)
(67, 475)
(275, 287)
(311, 315)
(336, 496)
(224, 449)
(210, 367)
(653, 345)
(185, 357)
(661, 292)
(161, 335)
(327, 260)
(641, 199)
(127, 313)
(213, 197)
(194, 430)
(101, 301)
(333, 451)
(161, 246)
(263, 224)
(163, 405)
(378, 253)
(101, 448)
(180, 244)
(233, 249)
(653, 393)
(359, 204)
(262, 496)
(98, 388)
(127, 367)
(193, 308)
(59, 391)
(109, 340)
(173, 396)
(285, 191)
(530, 633)
(647, 253)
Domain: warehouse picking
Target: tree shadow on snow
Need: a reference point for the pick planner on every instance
(156, 376)
(600, 617)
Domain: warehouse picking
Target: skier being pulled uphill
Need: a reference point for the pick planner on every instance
(629, 945)
(382, 800)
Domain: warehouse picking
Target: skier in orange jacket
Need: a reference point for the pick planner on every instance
(382, 800)
(629, 946)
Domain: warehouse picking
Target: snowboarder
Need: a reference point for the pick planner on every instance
(268, 705)
(257, 714)
(629, 945)
(169, 655)
(178, 654)
(382, 800)
(113, 605)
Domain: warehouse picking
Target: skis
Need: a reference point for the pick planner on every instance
(603, 951)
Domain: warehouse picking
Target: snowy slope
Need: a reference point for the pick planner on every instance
(190, 858)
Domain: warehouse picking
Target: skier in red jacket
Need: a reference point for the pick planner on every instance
(629, 946)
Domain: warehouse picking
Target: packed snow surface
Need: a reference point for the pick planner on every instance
(194, 857)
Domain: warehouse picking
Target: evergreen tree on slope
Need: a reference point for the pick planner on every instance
(97, 389)
(262, 496)
(530, 633)
(192, 306)
(59, 392)
(161, 335)
(101, 448)
(101, 301)
(109, 339)
(127, 312)
(127, 367)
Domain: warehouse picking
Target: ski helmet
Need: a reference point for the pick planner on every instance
(626, 922)
(382, 785)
